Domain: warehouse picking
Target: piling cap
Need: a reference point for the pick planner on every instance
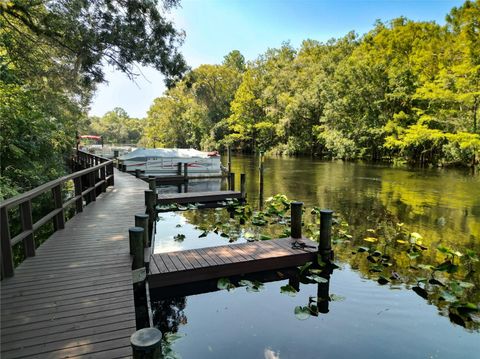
(141, 215)
(146, 338)
(135, 229)
(326, 211)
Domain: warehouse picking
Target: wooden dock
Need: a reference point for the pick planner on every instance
(75, 296)
(189, 266)
(197, 197)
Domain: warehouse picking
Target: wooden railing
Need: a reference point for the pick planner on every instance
(96, 176)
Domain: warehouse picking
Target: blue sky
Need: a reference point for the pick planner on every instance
(215, 27)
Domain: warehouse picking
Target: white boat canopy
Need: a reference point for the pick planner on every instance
(165, 153)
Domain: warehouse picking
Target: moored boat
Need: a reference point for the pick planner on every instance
(164, 161)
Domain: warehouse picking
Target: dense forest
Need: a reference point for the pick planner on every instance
(406, 91)
(52, 54)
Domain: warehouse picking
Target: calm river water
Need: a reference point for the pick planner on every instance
(365, 319)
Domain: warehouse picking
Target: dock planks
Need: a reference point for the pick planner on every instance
(194, 265)
(75, 297)
(197, 197)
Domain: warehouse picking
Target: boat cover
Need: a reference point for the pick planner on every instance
(165, 153)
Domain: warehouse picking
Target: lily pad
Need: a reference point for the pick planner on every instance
(289, 290)
(302, 313)
(317, 278)
(224, 283)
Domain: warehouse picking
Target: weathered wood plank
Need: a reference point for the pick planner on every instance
(194, 197)
(75, 297)
(235, 259)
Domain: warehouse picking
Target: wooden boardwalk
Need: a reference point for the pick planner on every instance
(75, 297)
(209, 263)
(197, 197)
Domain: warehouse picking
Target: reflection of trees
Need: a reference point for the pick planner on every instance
(168, 314)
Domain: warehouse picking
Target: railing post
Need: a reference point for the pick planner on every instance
(136, 246)
(141, 220)
(93, 192)
(325, 245)
(77, 182)
(7, 257)
(146, 343)
(27, 225)
(111, 181)
(243, 185)
(296, 220)
(59, 219)
(103, 177)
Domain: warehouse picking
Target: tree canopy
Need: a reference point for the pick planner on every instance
(406, 90)
(52, 54)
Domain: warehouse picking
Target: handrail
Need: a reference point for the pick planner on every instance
(98, 174)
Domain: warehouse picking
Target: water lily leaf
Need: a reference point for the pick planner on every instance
(466, 308)
(447, 296)
(204, 234)
(420, 291)
(436, 282)
(425, 266)
(302, 313)
(245, 283)
(466, 284)
(317, 278)
(264, 237)
(455, 318)
(447, 266)
(178, 225)
(377, 254)
(371, 230)
(413, 255)
(224, 283)
(249, 235)
(224, 235)
(179, 237)
(382, 280)
(371, 259)
(304, 267)
(336, 298)
(289, 290)
(370, 239)
(171, 337)
(182, 208)
(400, 224)
(401, 241)
(362, 249)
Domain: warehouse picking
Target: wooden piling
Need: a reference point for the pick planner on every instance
(260, 180)
(146, 343)
(138, 172)
(136, 235)
(296, 219)
(232, 181)
(179, 168)
(243, 185)
(141, 220)
(115, 153)
(325, 245)
(229, 159)
(185, 171)
(152, 183)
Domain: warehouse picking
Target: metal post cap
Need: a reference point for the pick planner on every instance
(135, 229)
(146, 338)
(326, 211)
(141, 215)
(297, 203)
